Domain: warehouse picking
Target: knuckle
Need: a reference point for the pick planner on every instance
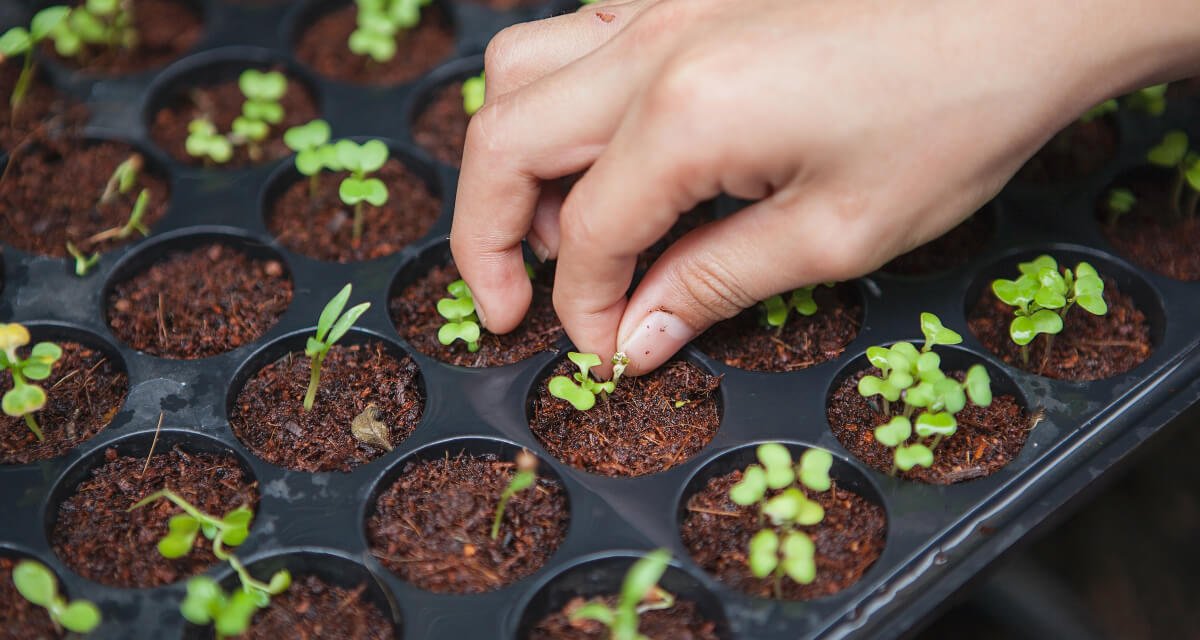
(577, 228)
(499, 58)
(483, 129)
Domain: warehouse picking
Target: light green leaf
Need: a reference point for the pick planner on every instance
(1035, 266)
(912, 456)
(1170, 152)
(802, 301)
(23, 400)
(777, 462)
(597, 611)
(455, 309)
(80, 616)
(585, 361)
(35, 582)
(979, 385)
(342, 326)
(1094, 303)
(799, 557)
(878, 356)
(751, 488)
(332, 310)
(814, 469)
(642, 577)
(468, 331)
(763, 553)
(372, 155)
(204, 596)
(15, 42)
(564, 388)
(895, 432)
(935, 333)
(776, 311)
(785, 507)
(309, 162)
(871, 386)
(46, 21)
(474, 90)
(929, 367)
(307, 136)
(936, 424)
(234, 618)
(280, 582)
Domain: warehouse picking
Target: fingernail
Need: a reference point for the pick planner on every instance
(540, 250)
(479, 314)
(657, 337)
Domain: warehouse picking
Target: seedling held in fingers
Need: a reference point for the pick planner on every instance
(580, 389)
(37, 584)
(473, 91)
(20, 41)
(25, 398)
(359, 188)
(1043, 295)
(1174, 153)
(524, 478)
(331, 326)
(639, 593)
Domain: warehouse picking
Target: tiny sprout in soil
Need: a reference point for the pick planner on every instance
(524, 478)
(580, 389)
(929, 398)
(20, 41)
(123, 178)
(361, 160)
(24, 399)
(38, 585)
(313, 152)
(133, 224)
(1119, 202)
(381, 23)
(462, 321)
(776, 310)
(1043, 295)
(260, 111)
(639, 593)
(103, 23)
(83, 263)
(473, 91)
(331, 326)
(205, 142)
(1174, 153)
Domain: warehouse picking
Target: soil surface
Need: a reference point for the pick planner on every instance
(953, 249)
(22, 619)
(717, 533)
(97, 536)
(166, 30)
(1077, 151)
(52, 195)
(680, 622)
(269, 417)
(200, 302)
(323, 47)
(639, 430)
(1150, 235)
(746, 343)
(83, 393)
(432, 526)
(312, 609)
(43, 108)
(221, 103)
(987, 438)
(414, 312)
(1089, 347)
(694, 219)
(323, 227)
(441, 127)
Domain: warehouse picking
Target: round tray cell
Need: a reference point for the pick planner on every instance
(206, 87)
(19, 613)
(1081, 149)
(697, 612)
(166, 30)
(197, 295)
(91, 529)
(308, 216)
(1152, 235)
(365, 381)
(1089, 347)
(419, 286)
(323, 28)
(717, 532)
(951, 250)
(86, 388)
(61, 190)
(438, 122)
(429, 519)
(986, 440)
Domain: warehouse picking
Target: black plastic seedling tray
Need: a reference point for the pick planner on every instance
(938, 537)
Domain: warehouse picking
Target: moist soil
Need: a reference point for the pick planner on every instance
(1089, 347)
(744, 342)
(323, 48)
(322, 227)
(951, 250)
(199, 303)
(221, 103)
(1149, 235)
(166, 30)
(694, 219)
(639, 430)
(52, 195)
(441, 128)
(1077, 151)
(312, 609)
(43, 109)
(97, 536)
(22, 619)
(432, 526)
(987, 438)
(680, 622)
(83, 393)
(717, 533)
(269, 417)
(414, 312)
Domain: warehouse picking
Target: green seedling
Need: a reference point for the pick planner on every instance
(123, 178)
(1118, 203)
(313, 152)
(359, 188)
(473, 91)
(639, 593)
(37, 584)
(380, 23)
(1043, 295)
(1174, 153)
(1149, 100)
(331, 326)
(19, 41)
(523, 479)
(25, 398)
(776, 309)
(83, 262)
(133, 225)
(580, 389)
(462, 323)
(205, 142)
(262, 90)
(104, 23)
(1099, 111)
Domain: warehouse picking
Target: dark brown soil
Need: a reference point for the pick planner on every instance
(694, 219)
(639, 430)
(717, 533)
(83, 393)
(312, 609)
(1183, 88)
(1077, 151)
(221, 103)
(51, 196)
(987, 438)
(323, 47)
(414, 312)
(269, 417)
(166, 29)
(744, 342)
(680, 622)
(1089, 347)
(432, 527)
(198, 303)
(100, 539)
(322, 227)
(43, 108)
(22, 619)
(441, 127)
(1148, 235)
(953, 249)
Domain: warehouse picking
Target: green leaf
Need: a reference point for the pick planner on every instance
(372, 155)
(799, 557)
(929, 367)
(905, 350)
(1035, 266)
(814, 469)
(751, 488)
(342, 326)
(1050, 299)
(895, 432)
(204, 596)
(776, 311)
(235, 535)
(1025, 328)
(280, 582)
(251, 129)
(46, 352)
(935, 333)
(262, 87)
(912, 456)
(474, 90)
(379, 47)
(900, 378)
(878, 356)
(802, 301)
(176, 545)
(15, 42)
(1093, 303)
(642, 577)
(585, 361)
(979, 385)
(234, 618)
(597, 611)
(332, 310)
(309, 162)
(872, 386)
(459, 289)
(468, 331)
(66, 43)
(763, 555)
(1191, 171)
(936, 424)
(80, 616)
(35, 582)
(268, 112)
(46, 21)
(1170, 152)
(101, 7)
(307, 136)
(922, 395)
(785, 507)
(777, 461)
(23, 400)
(950, 396)
(810, 513)
(564, 388)
(1121, 201)
(456, 309)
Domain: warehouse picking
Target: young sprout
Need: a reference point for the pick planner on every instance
(313, 152)
(1119, 203)
(261, 108)
(462, 323)
(524, 478)
(580, 389)
(473, 91)
(1149, 100)
(20, 41)
(1174, 153)
(37, 584)
(123, 178)
(107, 23)
(83, 262)
(776, 310)
(25, 398)
(361, 160)
(134, 223)
(379, 22)
(331, 326)
(1042, 296)
(639, 593)
(205, 142)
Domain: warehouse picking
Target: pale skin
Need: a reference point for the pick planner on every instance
(862, 128)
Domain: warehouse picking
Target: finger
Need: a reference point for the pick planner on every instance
(543, 235)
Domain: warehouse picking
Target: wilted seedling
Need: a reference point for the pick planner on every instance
(523, 479)
(206, 143)
(1174, 153)
(313, 152)
(331, 326)
(580, 389)
(1118, 203)
(25, 398)
(380, 23)
(37, 584)
(359, 188)
(639, 593)
(83, 262)
(19, 41)
(776, 309)
(473, 91)
(133, 224)
(263, 90)
(1043, 295)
